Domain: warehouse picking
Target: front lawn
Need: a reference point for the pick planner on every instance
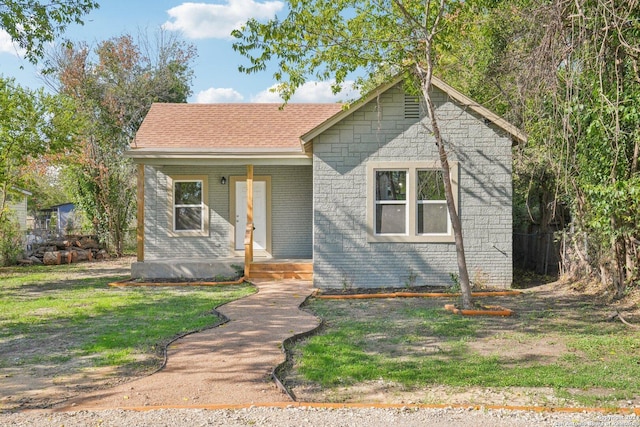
(563, 347)
(68, 315)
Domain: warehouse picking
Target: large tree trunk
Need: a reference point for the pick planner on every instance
(463, 272)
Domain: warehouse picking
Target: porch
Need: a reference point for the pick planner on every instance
(260, 268)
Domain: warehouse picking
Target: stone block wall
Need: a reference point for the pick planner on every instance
(378, 131)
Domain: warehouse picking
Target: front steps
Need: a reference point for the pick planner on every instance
(282, 269)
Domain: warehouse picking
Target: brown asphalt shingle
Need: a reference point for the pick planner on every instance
(229, 126)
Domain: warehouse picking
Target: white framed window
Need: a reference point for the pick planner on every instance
(391, 202)
(189, 212)
(406, 202)
(432, 212)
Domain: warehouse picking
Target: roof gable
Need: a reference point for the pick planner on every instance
(516, 134)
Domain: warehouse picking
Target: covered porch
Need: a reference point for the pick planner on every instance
(256, 259)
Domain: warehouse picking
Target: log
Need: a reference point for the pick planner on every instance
(89, 243)
(35, 259)
(82, 255)
(65, 257)
(52, 258)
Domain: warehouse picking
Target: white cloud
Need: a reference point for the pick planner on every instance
(318, 92)
(8, 46)
(204, 20)
(218, 94)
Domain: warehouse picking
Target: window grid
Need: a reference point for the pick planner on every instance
(178, 206)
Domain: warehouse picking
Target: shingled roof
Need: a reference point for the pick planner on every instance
(229, 127)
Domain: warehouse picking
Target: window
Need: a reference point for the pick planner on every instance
(188, 201)
(406, 202)
(433, 216)
(187, 205)
(391, 202)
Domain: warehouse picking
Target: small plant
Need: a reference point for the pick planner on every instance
(480, 279)
(410, 281)
(347, 283)
(239, 270)
(455, 279)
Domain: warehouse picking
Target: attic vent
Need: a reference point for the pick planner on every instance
(411, 107)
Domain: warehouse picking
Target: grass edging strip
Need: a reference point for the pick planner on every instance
(417, 295)
(132, 282)
(496, 311)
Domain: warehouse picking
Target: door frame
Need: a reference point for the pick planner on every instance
(232, 213)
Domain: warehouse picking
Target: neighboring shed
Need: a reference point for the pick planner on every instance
(64, 215)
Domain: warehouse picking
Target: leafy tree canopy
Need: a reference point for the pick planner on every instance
(32, 23)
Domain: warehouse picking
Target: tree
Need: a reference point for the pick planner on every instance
(32, 125)
(571, 71)
(331, 39)
(114, 86)
(32, 23)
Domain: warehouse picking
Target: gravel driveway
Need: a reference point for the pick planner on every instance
(304, 416)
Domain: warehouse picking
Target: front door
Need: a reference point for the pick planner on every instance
(259, 216)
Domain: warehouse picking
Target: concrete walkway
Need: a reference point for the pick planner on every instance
(230, 364)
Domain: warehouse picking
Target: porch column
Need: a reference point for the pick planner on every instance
(140, 214)
(248, 243)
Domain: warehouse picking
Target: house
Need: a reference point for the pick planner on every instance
(63, 216)
(17, 203)
(352, 194)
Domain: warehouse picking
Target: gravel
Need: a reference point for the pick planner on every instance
(307, 416)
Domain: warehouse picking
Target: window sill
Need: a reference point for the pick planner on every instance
(200, 233)
(411, 239)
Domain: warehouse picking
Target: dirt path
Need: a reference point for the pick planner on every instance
(230, 364)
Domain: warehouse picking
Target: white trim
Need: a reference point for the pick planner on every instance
(412, 168)
(204, 218)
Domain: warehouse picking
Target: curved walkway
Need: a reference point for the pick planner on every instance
(230, 364)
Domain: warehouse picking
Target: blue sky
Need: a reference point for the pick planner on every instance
(205, 24)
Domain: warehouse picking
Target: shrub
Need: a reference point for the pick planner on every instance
(11, 243)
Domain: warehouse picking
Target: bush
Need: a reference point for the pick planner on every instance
(11, 243)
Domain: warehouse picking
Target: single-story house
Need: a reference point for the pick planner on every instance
(349, 195)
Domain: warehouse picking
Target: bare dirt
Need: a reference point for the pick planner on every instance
(523, 338)
(528, 337)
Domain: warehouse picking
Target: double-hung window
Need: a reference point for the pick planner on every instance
(391, 202)
(407, 203)
(189, 212)
(433, 216)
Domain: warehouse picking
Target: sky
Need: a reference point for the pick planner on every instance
(205, 24)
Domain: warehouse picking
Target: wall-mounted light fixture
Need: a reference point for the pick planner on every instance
(223, 180)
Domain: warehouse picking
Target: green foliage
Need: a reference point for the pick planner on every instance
(113, 87)
(11, 239)
(33, 125)
(330, 40)
(33, 24)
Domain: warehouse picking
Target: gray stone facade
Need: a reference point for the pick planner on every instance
(377, 132)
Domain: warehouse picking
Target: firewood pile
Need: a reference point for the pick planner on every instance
(65, 250)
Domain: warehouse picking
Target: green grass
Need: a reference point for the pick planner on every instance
(59, 317)
(356, 347)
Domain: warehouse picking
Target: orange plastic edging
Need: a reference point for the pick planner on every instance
(285, 405)
(131, 282)
(419, 295)
(502, 312)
